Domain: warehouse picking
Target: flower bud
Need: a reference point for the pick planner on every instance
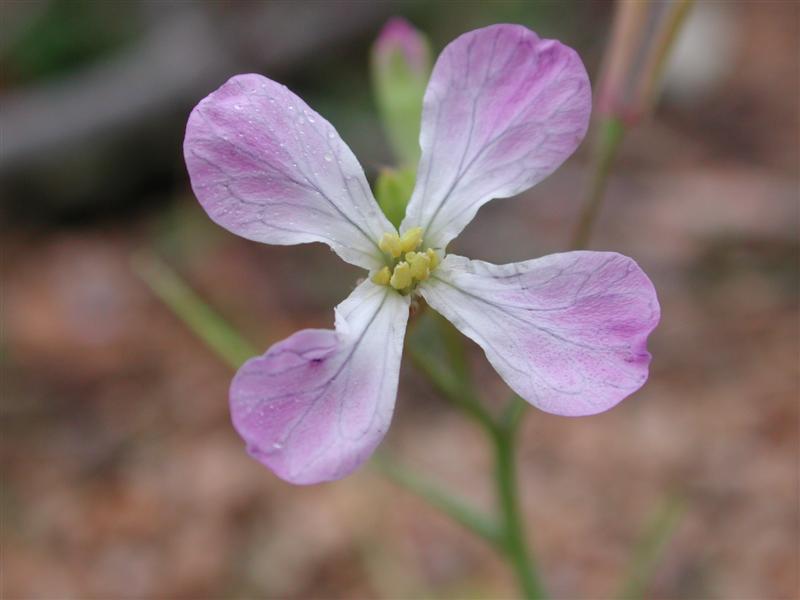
(401, 65)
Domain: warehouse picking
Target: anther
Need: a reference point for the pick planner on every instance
(411, 239)
(401, 278)
(382, 277)
(420, 265)
(434, 258)
(390, 243)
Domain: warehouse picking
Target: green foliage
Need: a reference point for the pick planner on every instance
(63, 35)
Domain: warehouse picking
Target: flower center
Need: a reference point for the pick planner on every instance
(407, 264)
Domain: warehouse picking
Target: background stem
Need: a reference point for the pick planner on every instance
(610, 132)
(650, 547)
(196, 314)
(457, 509)
(513, 526)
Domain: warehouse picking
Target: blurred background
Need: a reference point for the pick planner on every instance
(121, 474)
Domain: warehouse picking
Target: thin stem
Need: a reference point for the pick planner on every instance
(611, 130)
(650, 547)
(514, 530)
(456, 392)
(453, 383)
(657, 61)
(198, 316)
(512, 415)
(460, 512)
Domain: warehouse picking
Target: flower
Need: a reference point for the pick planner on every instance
(503, 109)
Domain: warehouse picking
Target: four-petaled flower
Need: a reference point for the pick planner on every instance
(503, 109)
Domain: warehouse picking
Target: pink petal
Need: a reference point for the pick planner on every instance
(567, 332)
(502, 111)
(267, 167)
(315, 405)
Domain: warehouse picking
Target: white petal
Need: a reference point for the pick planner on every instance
(567, 332)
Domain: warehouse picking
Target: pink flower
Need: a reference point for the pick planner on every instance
(502, 111)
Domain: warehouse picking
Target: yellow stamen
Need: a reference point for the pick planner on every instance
(411, 239)
(401, 278)
(390, 243)
(382, 277)
(420, 265)
(406, 264)
(434, 258)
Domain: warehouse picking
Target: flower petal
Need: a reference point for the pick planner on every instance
(267, 167)
(502, 111)
(315, 405)
(567, 332)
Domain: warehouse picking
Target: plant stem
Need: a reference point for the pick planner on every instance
(452, 379)
(198, 316)
(459, 394)
(650, 547)
(460, 512)
(610, 132)
(515, 546)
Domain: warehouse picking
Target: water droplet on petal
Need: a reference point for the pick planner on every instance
(328, 156)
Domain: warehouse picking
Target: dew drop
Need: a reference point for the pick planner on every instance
(328, 156)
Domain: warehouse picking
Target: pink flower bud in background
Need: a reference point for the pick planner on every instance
(401, 65)
(398, 36)
(641, 36)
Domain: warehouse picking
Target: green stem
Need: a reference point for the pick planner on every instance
(513, 526)
(650, 547)
(198, 316)
(610, 132)
(453, 382)
(460, 512)
(454, 389)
